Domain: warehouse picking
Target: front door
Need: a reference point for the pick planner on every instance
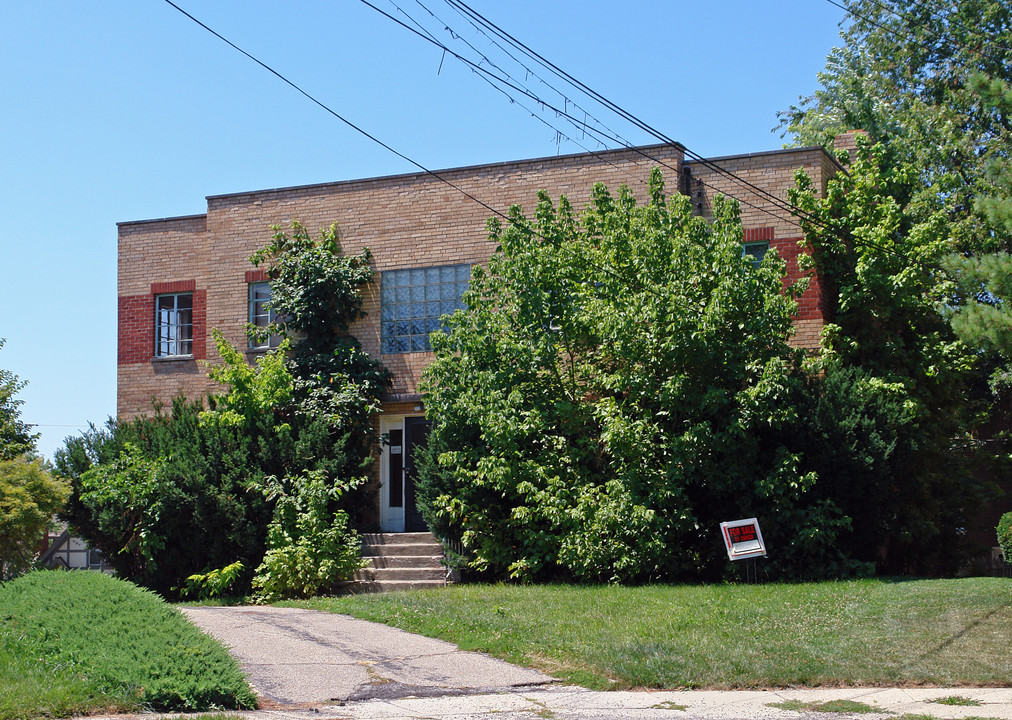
(416, 431)
(403, 437)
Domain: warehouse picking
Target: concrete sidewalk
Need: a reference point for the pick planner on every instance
(306, 664)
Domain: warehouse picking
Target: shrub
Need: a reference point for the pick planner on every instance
(168, 496)
(121, 639)
(213, 584)
(310, 548)
(190, 492)
(1005, 536)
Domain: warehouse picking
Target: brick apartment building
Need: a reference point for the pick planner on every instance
(180, 277)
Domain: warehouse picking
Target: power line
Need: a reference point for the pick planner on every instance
(528, 225)
(626, 115)
(783, 205)
(344, 120)
(777, 202)
(491, 77)
(512, 83)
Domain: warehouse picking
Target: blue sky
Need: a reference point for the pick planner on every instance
(120, 110)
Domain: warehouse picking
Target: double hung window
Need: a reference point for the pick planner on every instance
(260, 316)
(173, 324)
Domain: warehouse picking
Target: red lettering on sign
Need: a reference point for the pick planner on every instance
(742, 533)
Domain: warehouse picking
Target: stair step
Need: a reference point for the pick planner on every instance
(436, 574)
(396, 585)
(400, 545)
(405, 538)
(404, 561)
(401, 551)
(400, 561)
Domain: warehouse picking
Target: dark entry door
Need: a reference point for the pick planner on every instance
(416, 430)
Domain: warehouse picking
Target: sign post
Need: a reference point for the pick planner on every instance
(743, 539)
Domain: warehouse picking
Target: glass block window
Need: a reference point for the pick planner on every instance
(755, 250)
(412, 301)
(173, 324)
(260, 316)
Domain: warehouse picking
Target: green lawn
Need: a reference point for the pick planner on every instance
(79, 642)
(870, 632)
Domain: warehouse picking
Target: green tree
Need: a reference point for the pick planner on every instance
(29, 498)
(16, 437)
(239, 476)
(983, 315)
(29, 495)
(316, 295)
(618, 385)
(922, 241)
(910, 73)
(883, 257)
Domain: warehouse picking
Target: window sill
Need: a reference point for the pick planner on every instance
(171, 358)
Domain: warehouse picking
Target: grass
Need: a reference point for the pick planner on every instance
(830, 706)
(81, 642)
(869, 632)
(956, 700)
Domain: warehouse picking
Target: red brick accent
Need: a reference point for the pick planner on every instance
(136, 329)
(253, 276)
(176, 286)
(759, 235)
(814, 305)
(137, 322)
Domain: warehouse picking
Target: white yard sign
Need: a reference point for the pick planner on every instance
(743, 539)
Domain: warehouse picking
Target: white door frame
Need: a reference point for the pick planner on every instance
(391, 518)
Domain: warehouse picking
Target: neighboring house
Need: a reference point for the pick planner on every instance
(63, 551)
(181, 277)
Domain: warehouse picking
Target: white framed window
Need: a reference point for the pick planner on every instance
(755, 250)
(260, 316)
(173, 324)
(412, 302)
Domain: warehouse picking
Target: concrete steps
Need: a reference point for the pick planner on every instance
(400, 561)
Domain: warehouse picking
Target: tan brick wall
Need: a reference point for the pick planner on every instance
(412, 220)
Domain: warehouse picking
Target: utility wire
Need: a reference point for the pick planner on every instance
(531, 72)
(761, 192)
(326, 108)
(777, 202)
(527, 225)
(421, 167)
(621, 112)
(492, 78)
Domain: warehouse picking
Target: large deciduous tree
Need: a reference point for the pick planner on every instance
(883, 257)
(910, 73)
(618, 385)
(920, 235)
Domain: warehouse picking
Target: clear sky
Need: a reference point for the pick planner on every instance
(117, 110)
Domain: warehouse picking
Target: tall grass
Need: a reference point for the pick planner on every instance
(872, 632)
(83, 642)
